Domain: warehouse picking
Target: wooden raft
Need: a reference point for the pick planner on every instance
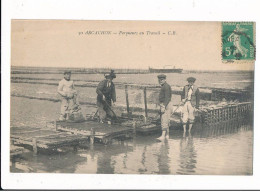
(44, 138)
(16, 150)
(101, 132)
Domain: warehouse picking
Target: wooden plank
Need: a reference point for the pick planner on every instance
(56, 140)
(16, 150)
(49, 142)
(43, 137)
(82, 132)
(52, 143)
(23, 132)
(23, 129)
(29, 135)
(26, 142)
(101, 128)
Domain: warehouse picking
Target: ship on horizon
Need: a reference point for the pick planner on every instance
(166, 70)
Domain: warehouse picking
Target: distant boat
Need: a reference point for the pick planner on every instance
(165, 70)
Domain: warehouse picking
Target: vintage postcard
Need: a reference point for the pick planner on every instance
(132, 97)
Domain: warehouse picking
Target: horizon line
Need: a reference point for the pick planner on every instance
(65, 67)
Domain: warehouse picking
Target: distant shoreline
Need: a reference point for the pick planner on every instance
(78, 70)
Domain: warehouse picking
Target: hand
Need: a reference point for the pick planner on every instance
(70, 95)
(162, 107)
(183, 100)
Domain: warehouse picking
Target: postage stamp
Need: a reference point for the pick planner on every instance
(238, 41)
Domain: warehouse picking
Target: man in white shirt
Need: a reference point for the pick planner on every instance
(69, 102)
(191, 98)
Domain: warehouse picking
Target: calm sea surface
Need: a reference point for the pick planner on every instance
(216, 150)
(214, 79)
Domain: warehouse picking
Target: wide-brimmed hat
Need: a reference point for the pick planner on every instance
(110, 74)
(106, 75)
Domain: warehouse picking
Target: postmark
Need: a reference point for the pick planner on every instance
(238, 41)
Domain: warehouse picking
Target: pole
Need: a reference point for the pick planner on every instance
(178, 107)
(34, 141)
(145, 103)
(94, 114)
(111, 109)
(127, 100)
(56, 126)
(92, 136)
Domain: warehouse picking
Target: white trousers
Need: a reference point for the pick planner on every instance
(188, 113)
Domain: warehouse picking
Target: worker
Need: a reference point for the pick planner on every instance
(69, 96)
(106, 95)
(165, 106)
(191, 99)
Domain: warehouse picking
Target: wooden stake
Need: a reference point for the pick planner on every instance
(134, 126)
(92, 136)
(56, 126)
(34, 141)
(127, 100)
(145, 103)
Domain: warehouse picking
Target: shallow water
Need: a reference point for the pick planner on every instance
(216, 150)
(238, 79)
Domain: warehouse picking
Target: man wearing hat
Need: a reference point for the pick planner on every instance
(106, 94)
(165, 105)
(191, 99)
(69, 102)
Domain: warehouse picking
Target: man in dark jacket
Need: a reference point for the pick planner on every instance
(165, 105)
(191, 99)
(106, 94)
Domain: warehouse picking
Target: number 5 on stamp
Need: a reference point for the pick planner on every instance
(238, 41)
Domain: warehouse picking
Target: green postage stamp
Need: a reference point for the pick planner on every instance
(238, 41)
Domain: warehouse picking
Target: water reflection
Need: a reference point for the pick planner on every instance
(187, 161)
(189, 153)
(107, 156)
(47, 162)
(104, 163)
(143, 169)
(163, 158)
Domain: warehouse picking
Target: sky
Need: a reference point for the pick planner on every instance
(78, 43)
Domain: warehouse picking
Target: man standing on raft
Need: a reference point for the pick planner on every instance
(69, 96)
(106, 94)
